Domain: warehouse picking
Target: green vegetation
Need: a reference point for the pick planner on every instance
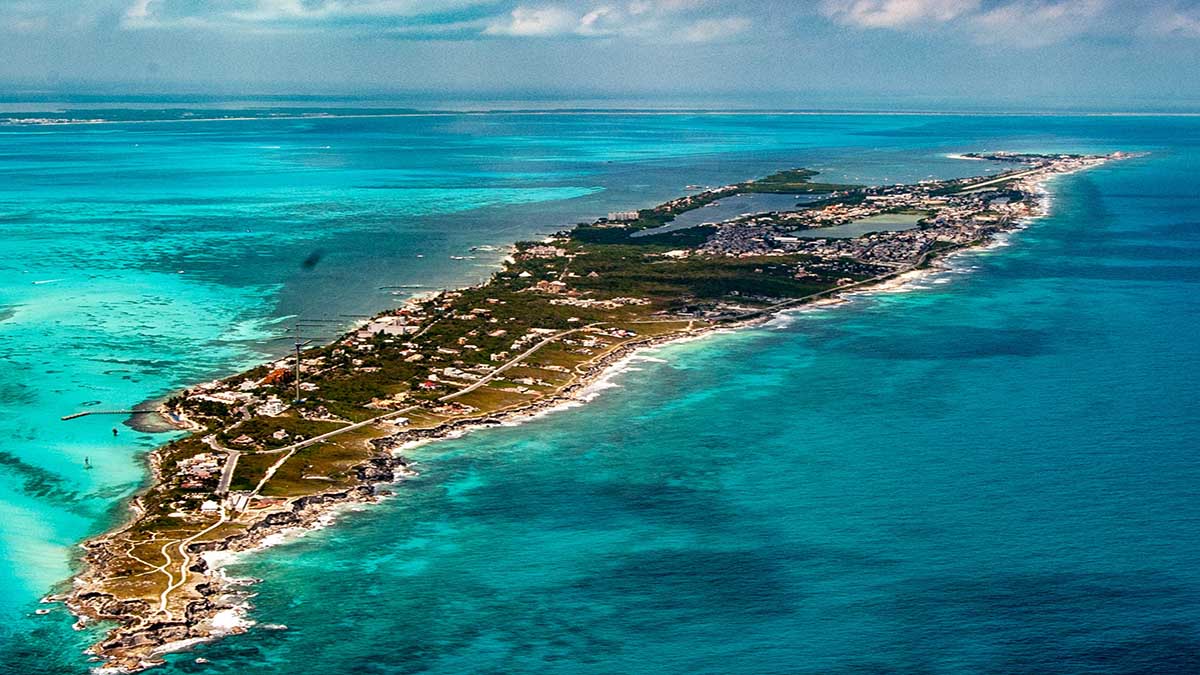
(793, 181)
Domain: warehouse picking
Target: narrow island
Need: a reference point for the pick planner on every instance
(277, 447)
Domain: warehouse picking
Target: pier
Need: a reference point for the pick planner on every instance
(85, 413)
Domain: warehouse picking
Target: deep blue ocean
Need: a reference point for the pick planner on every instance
(994, 471)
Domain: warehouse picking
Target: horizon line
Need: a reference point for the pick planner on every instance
(14, 119)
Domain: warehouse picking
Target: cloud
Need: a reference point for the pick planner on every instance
(638, 19)
(531, 21)
(139, 10)
(710, 30)
(1016, 23)
(1175, 22)
(1033, 23)
(290, 14)
(895, 13)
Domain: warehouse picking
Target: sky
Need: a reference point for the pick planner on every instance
(1028, 54)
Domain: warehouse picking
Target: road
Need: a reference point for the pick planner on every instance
(227, 472)
(525, 354)
(1002, 179)
(291, 449)
(186, 562)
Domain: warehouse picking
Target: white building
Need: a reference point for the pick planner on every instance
(623, 216)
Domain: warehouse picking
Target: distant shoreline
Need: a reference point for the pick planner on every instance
(34, 120)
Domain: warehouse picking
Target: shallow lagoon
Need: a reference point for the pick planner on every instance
(884, 222)
(729, 208)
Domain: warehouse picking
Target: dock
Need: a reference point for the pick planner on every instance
(107, 412)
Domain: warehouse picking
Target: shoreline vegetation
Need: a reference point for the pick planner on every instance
(276, 448)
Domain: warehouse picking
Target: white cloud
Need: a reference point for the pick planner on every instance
(268, 10)
(1033, 23)
(710, 30)
(266, 14)
(638, 19)
(139, 10)
(895, 13)
(1016, 23)
(534, 21)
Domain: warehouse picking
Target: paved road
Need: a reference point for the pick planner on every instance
(291, 449)
(227, 472)
(490, 376)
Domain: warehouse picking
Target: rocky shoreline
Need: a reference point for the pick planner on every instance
(140, 642)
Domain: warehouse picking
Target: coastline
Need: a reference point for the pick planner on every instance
(226, 602)
(325, 514)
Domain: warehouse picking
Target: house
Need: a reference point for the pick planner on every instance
(275, 376)
(272, 407)
(551, 286)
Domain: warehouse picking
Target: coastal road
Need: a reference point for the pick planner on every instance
(490, 376)
(230, 462)
(1002, 179)
(291, 449)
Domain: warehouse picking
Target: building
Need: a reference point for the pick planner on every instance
(623, 216)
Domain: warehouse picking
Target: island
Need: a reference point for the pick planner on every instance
(277, 447)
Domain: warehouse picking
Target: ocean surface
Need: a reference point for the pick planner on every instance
(994, 471)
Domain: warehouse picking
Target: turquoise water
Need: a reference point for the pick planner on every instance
(993, 472)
